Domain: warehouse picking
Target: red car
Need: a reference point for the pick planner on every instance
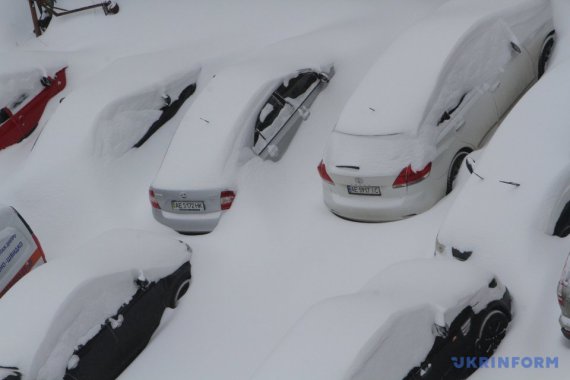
(18, 121)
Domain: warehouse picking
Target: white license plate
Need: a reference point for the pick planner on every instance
(363, 190)
(188, 206)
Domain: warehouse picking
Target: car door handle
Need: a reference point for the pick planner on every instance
(460, 125)
(495, 86)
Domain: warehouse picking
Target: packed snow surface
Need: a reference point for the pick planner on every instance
(278, 250)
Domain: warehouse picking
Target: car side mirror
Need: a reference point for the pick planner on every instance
(516, 47)
(469, 165)
(444, 117)
(273, 151)
(304, 112)
(439, 331)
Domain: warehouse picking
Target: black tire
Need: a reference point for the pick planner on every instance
(179, 289)
(454, 168)
(491, 332)
(546, 53)
(562, 228)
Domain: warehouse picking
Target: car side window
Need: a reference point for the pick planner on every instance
(267, 116)
(297, 87)
(448, 113)
(281, 106)
(4, 115)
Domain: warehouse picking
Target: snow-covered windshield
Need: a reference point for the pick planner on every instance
(377, 154)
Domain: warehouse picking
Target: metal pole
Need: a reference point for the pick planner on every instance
(37, 29)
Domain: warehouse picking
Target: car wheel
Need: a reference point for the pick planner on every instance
(546, 53)
(562, 228)
(179, 289)
(491, 331)
(454, 168)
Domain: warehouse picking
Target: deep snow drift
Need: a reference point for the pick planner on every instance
(278, 250)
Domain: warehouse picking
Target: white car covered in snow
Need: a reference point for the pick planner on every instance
(88, 315)
(434, 95)
(522, 188)
(250, 109)
(407, 323)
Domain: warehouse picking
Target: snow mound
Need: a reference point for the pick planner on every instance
(72, 296)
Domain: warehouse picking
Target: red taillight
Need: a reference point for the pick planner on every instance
(560, 300)
(409, 177)
(226, 199)
(323, 173)
(153, 200)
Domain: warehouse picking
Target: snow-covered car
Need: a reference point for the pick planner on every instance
(249, 109)
(521, 188)
(20, 249)
(23, 102)
(407, 323)
(563, 293)
(137, 108)
(89, 314)
(432, 97)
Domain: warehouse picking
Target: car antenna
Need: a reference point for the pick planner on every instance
(371, 109)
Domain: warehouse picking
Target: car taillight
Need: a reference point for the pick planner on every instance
(323, 173)
(153, 200)
(409, 177)
(560, 300)
(226, 199)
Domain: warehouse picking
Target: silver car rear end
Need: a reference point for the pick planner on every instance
(195, 211)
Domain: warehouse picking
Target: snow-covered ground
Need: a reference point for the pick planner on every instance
(278, 250)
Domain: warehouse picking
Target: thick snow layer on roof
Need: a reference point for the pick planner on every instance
(47, 313)
(216, 134)
(444, 283)
(403, 84)
(356, 336)
(334, 339)
(126, 119)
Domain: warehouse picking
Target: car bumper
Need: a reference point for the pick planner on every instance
(188, 223)
(379, 208)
